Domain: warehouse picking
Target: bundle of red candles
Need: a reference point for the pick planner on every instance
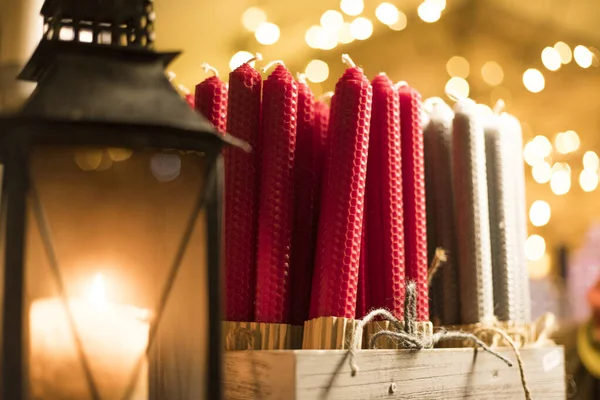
(326, 216)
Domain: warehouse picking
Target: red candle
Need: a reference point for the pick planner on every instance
(322, 114)
(190, 99)
(362, 293)
(211, 99)
(384, 214)
(413, 188)
(241, 194)
(276, 213)
(340, 225)
(306, 180)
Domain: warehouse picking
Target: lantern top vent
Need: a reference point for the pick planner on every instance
(116, 23)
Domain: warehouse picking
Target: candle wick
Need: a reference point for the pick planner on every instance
(401, 84)
(432, 102)
(300, 77)
(271, 64)
(348, 61)
(171, 76)
(326, 96)
(209, 68)
(257, 57)
(499, 107)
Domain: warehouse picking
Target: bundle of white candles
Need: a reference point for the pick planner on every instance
(476, 193)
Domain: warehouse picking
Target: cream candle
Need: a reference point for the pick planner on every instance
(113, 337)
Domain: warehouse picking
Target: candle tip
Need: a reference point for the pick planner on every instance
(206, 67)
(171, 76)
(183, 89)
(401, 84)
(499, 107)
(257, 57)
(272, 64)
(348, 61)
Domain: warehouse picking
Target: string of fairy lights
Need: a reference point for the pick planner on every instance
(351, 23)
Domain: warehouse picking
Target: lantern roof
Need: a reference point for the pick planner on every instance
(122, 83)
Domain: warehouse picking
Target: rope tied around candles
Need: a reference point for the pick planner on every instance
(406, 335)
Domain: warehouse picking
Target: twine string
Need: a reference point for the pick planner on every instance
(439, 258)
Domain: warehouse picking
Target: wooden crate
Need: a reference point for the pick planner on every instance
(392, 374)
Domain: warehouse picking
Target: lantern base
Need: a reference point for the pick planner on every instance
(261, 336)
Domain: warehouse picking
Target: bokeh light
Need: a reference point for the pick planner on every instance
(560, 182)
(540, 213)
(345, 34)
(541, 268)
(551, 59)
(267, 33)
(588, 180)
(541, 172)
(583, 56)
(387, 13)
(317, 71)
(457, 88)
(400, 24)
(591, 160)
(567, 142)
(332, 20)
(563, 49)
(253, 17)
(492, 73)
(458, 66)
(534, 80)
(535, 247)
(361, 28)
(352, 7)
(429, 12)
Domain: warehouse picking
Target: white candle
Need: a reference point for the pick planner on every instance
(113, 337)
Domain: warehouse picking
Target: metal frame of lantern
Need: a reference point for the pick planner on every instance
(113, 95)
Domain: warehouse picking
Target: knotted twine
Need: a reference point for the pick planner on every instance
(407, 336)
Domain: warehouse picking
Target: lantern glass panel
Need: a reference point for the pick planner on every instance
(115, 220)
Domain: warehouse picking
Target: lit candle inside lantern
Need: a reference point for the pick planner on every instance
(114, 337)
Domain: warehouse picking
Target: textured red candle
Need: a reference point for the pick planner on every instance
(306, 180)
(189, 98)
(413, 188)
(241, 194)
(384, 213)
(363, 302)
(276, 215)
(340, 225)
(211, 101)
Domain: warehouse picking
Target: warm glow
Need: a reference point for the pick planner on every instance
(588, 179)
(429, 11)
(332, 20)
(345, 34)
(567, 142)
(267, 33)
(240, 58)
(591, 161)
(317, 71)
(458, 66)
(564, 51)
(86, 36)
(352, 7)
(400, 24)
(492, 73)
(253, 17)
(440, 4)
(541, 172)
(532, 154)
(457, 88)
(314, 36)
(66, 33)
(583, 56)
(118, 154)
(361, 28)
(535, 247)
(534, 80)
(387, 13)
(539, 213)
(560, 182)
(97, 295)
(551, 58)
(540, 268)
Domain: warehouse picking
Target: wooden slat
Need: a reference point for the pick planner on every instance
(429, 374)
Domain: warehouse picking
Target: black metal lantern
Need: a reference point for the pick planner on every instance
(110, 218)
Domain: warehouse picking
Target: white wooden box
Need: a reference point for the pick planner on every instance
(392, 374)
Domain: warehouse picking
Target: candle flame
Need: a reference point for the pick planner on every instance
(97, 294)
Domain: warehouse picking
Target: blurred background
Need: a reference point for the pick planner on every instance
(539, 56)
